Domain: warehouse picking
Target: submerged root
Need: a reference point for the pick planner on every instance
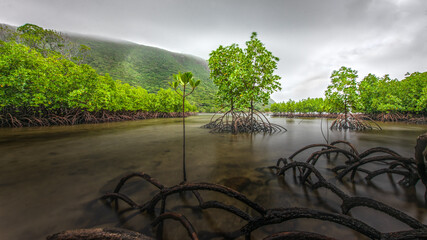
(356, 162)
(315, 180)
(257, 216)
(242, 122)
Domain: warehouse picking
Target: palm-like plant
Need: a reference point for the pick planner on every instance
(181, 80)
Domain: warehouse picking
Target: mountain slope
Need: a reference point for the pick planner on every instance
(148, 67)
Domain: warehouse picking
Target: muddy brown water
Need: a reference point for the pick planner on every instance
(51, 178)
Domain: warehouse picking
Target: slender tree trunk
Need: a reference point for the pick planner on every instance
(252, 115)
(345, 112)
(183, 137)
(233, 130)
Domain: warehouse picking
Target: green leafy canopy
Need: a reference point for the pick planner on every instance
(244, 76)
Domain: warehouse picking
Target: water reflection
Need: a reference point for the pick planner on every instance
(51, 178)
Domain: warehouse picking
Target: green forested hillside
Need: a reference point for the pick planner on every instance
(148, 67)
(138, 65)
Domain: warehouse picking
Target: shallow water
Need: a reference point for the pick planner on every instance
(51, 178)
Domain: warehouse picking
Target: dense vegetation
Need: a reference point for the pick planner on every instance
(148, 67)
(308, 105)
(138, 65)
(34, 85)
(373, 95)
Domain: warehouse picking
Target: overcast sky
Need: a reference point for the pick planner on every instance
(311, 37)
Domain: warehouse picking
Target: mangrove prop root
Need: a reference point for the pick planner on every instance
(382, 117)
(395, 164)
(328, 149)
(269, 216)
(354, 122)
(349, 202)
(275, 216)
(353, 149)
(142, 175)
(309, 176)
(242, 122)
(406, 168)
(39, 117)
(400, 117)
(149, 206)
(421, 157)
(177, 217)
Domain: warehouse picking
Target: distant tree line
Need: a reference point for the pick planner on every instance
(372, 95)
(309, 105)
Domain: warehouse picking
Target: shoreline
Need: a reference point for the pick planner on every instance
(382, 117)
(71, 117)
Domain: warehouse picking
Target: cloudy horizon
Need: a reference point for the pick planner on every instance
(311, 38)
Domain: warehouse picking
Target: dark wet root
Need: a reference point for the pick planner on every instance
(242, 122)
(257, 216)
(382, 117)
(355, 163)
(391, 117)
(358, 122)
(264, 217)
(312, 178)
(421, 157)
(40, 117)
(150, 205)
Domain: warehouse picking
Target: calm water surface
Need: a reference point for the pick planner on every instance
(51, 178)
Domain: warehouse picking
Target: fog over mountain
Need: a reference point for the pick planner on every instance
(311, 38)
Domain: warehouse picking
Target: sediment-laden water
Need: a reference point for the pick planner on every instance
(51, 178)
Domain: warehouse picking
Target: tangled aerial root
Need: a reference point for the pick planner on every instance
(256, 216)
(263, 216)
(242, 122)
(356, 162)
(382, 117)
(357, 122)
(391, 117)
(307, 170)
(45, 117)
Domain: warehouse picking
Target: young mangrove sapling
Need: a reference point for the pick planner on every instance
(181, 80)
